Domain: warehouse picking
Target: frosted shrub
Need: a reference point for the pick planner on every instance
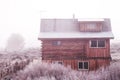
(37, 70)
(112, 72)
(44, 71)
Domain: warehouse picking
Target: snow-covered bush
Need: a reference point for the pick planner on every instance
(11, 62)
(38, 70)
(11, 67)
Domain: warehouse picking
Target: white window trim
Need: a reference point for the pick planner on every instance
(97, 44)
(83, 62)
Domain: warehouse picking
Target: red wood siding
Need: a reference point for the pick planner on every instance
(99, 52)
(66, 49)
(70, 52)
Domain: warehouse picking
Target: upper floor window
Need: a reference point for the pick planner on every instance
(97, 43)
(56, 43)
(83, 65)
(90, 27)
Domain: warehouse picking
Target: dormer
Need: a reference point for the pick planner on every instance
(91, 25)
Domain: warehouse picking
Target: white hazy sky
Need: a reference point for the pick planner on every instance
(23, 16)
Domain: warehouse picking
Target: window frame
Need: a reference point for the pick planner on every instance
(83, 65)
(90, 42)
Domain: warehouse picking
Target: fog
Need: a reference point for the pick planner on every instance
(23, 16)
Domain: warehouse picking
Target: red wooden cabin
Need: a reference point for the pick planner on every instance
(82, 44)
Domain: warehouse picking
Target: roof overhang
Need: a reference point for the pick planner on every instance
(75, 35)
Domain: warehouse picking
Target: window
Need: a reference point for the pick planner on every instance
(97, 43)
(83, 65)
(93, 43)
(58, 62)
(101, 43)
(56, 43)
(90, 27)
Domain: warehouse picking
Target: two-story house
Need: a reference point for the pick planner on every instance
(82, 44)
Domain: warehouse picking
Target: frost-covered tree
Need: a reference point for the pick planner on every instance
(15, 42)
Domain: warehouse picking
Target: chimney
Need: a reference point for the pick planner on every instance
(73, 16)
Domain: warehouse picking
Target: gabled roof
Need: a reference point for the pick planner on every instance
(69, 28)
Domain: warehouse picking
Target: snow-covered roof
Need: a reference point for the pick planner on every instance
(76, 35)
(70, 28)
(59, 25)
(68, 25)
